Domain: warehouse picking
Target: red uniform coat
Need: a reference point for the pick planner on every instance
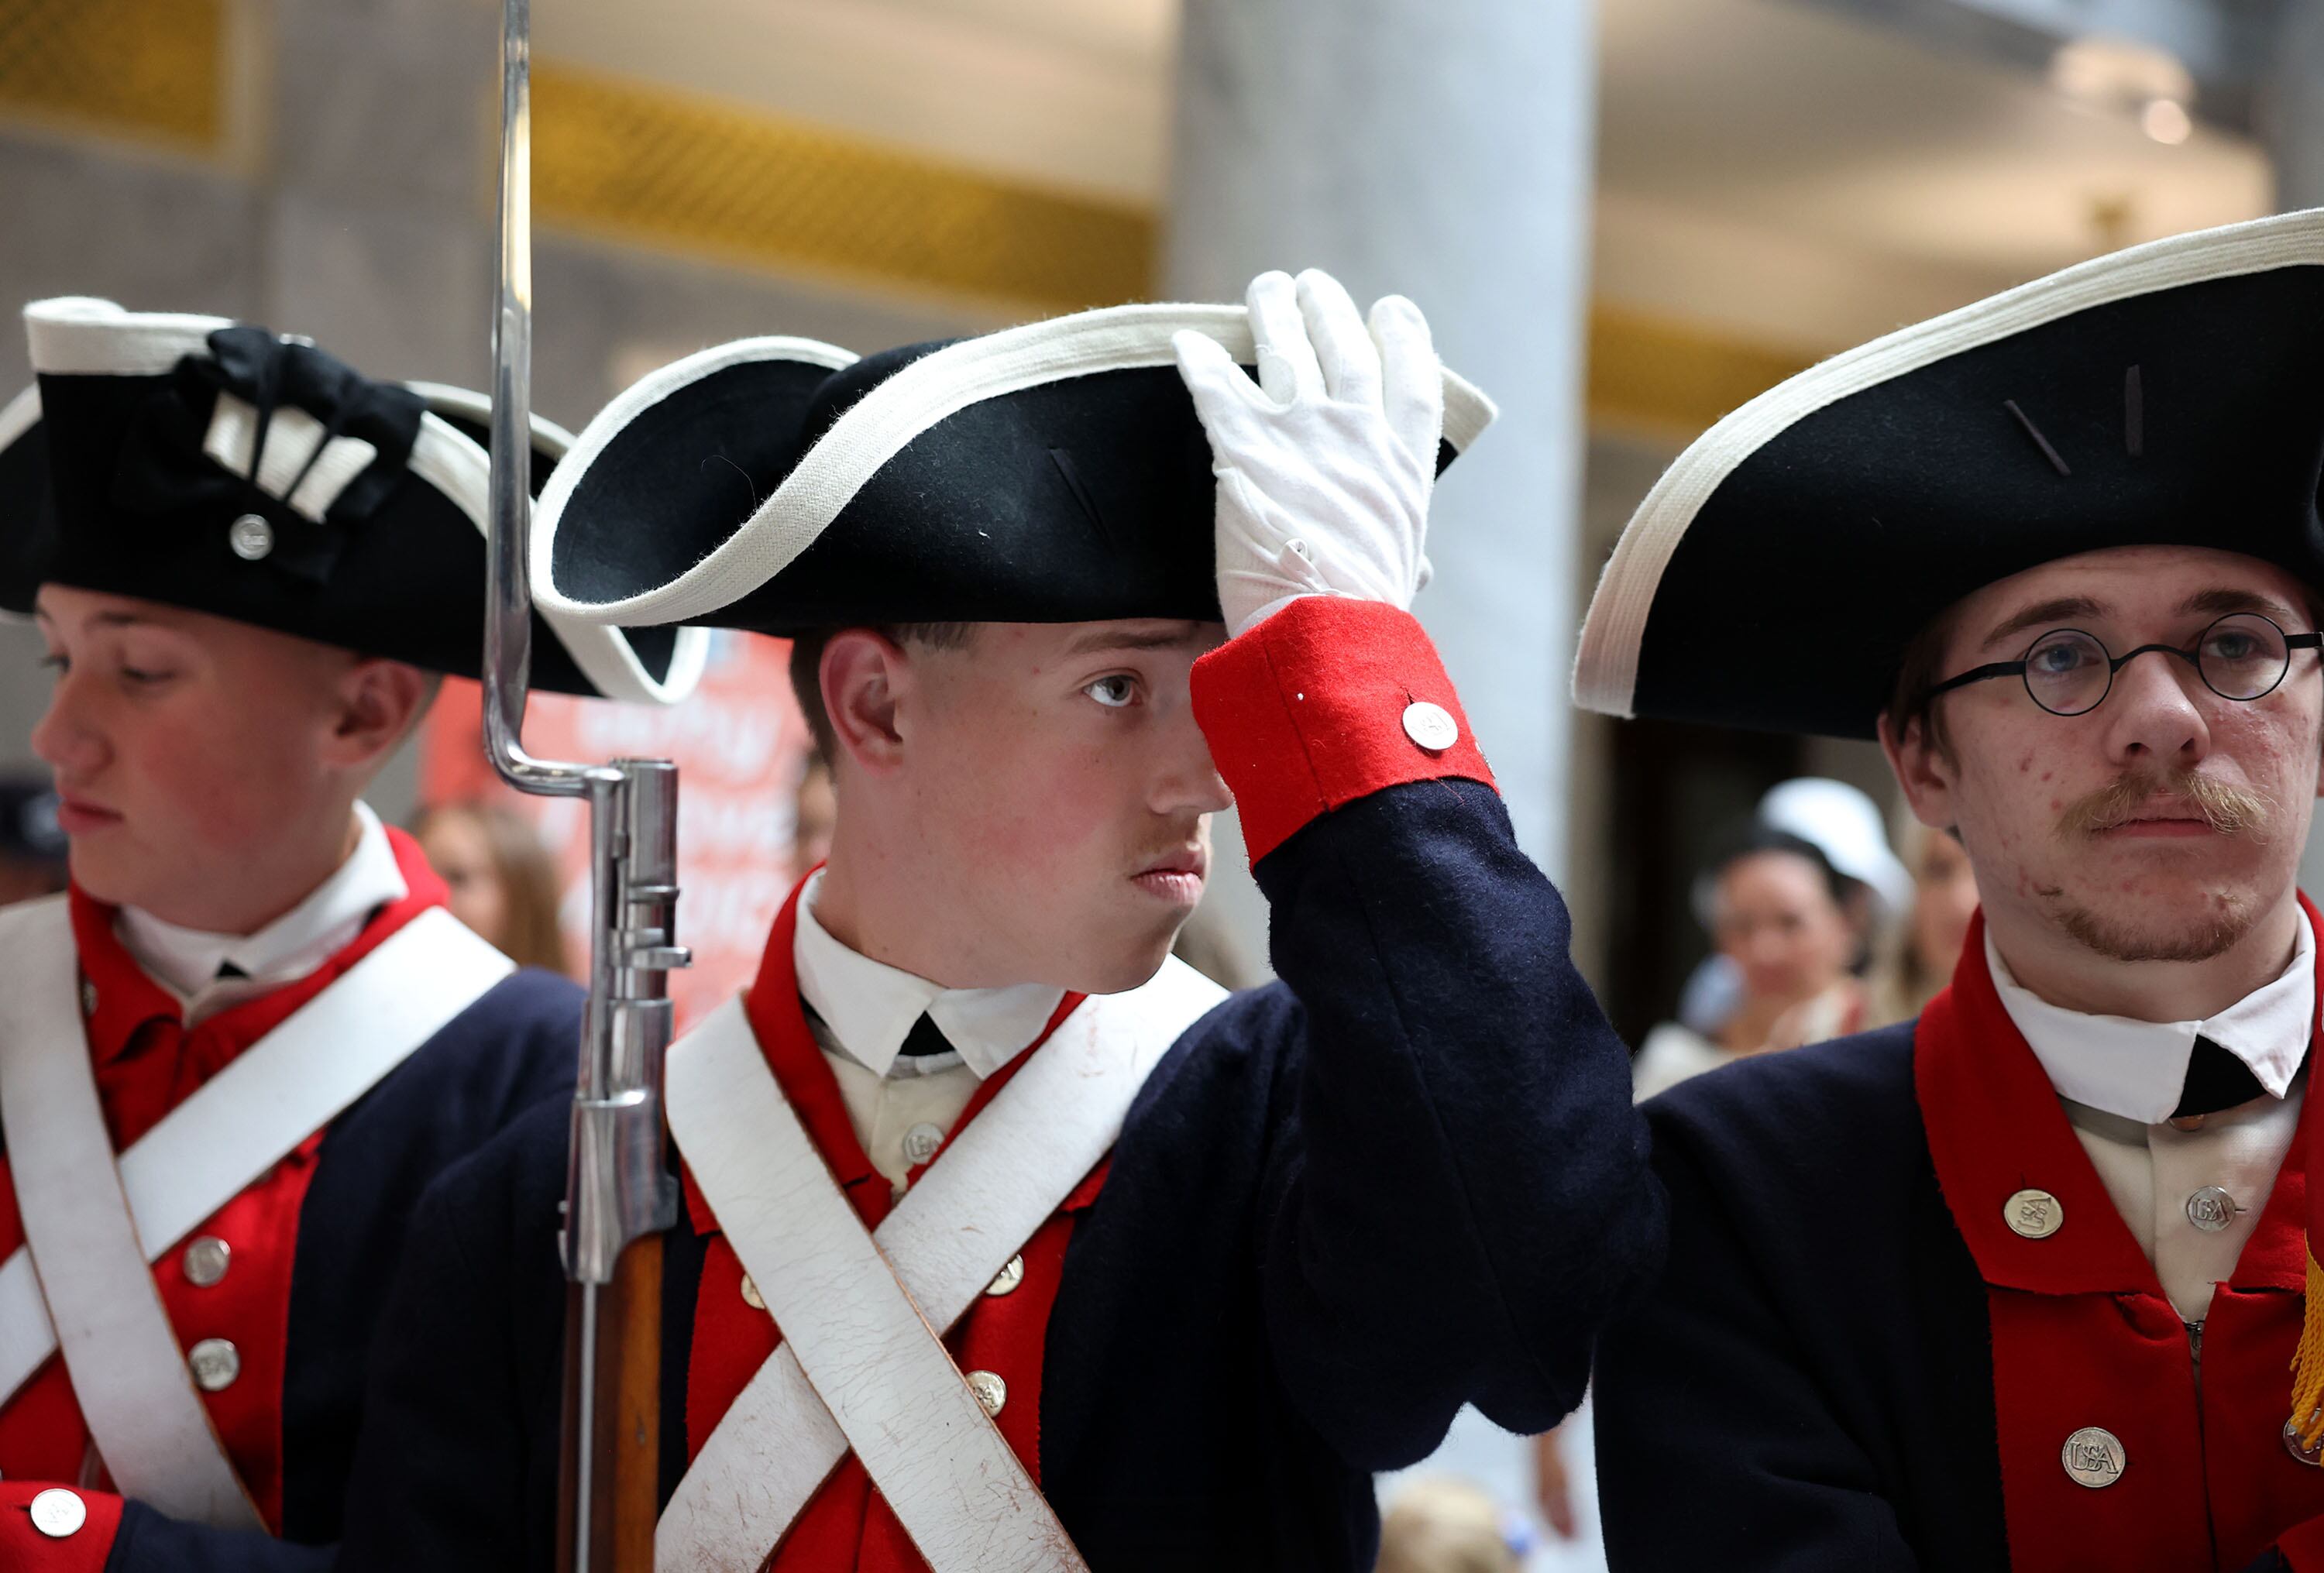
(147, 1063)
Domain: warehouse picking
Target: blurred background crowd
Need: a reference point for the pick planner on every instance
(1622, 220)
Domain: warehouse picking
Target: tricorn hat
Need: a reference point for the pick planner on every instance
(212, 465)
(1052, 473)
(2167, 395)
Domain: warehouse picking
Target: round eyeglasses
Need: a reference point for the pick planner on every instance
(2242, 656)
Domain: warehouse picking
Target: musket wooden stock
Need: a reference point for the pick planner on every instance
(623, 1440)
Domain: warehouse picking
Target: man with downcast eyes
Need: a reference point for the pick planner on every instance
(2022, 1283)
(237, 1050)
(1007, 1242)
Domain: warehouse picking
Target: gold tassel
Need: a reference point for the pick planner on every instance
(2308, 1364)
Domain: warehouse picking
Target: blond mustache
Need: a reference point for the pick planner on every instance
(2229, 811)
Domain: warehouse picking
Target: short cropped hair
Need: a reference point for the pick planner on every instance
(806, 663)
(1914, 697)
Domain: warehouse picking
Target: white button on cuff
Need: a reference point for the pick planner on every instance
(1431, 726)
(59, 1514)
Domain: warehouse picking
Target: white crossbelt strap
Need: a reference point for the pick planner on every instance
(860, 1366)
(91, 1227)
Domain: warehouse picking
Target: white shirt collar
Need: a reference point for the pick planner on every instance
(2138, 1069)
(186, 960)
(869, 1005)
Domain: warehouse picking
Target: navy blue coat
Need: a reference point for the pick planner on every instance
(1405, 1178)
(515, 1047)
(1810, 1384)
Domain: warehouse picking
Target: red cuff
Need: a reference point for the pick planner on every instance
(24, 1548)
(1329, 700)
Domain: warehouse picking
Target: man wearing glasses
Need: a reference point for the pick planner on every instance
(2019, 1285)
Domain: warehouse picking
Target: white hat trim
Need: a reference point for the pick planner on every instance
(20, 414)
(447, 460)
(608, 423)
(877, 428)
(1606, 665)
(613, 667)
(470, 405)
(290, 469)
(81, 336)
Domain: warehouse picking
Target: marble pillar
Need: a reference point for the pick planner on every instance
(2290, 122)
(1443, 152)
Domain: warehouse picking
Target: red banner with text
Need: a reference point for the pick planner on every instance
(739, 744)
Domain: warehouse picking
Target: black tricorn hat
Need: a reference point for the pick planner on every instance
(1052, 473)
(211, 466)
(2167, 395)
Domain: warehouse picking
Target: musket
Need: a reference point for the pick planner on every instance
(619, 1196)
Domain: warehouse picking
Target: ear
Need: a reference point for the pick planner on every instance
(866, 678)
(1922, 770)
(378, 703)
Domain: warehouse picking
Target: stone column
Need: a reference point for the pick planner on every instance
(378, 196)
(1443, 152)
(2291, 123)
(379, 231)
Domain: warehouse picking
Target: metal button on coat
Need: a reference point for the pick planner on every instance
(87, 997)
(2093, 1456)
(1008, 1277)
(2036, 1214)
(751, 1295)
(1431, 726)
(251, 536)
(206, 1260)
(2292, 1444)
(215, 1362)
(59, 1514)
(2211, 1210)
(990, 1391)
(921, 1142)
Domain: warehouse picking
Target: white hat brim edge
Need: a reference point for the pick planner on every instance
(1613, 631)
(446, 459)
(19, 416)
(608, 424)
(877, 428)
(611, 667)
(72, 336)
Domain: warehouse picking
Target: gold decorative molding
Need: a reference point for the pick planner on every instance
(1674, 378)
(637, 162)
(643, 162)
(153, 69)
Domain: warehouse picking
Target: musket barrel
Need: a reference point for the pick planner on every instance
(619, 1194)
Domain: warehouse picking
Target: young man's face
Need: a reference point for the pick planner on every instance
(2160, 825)
(190, 752)
(1062, 791)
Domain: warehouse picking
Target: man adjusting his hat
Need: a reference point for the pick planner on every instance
(2020, 1284)
(233, 1053)
(1008, 1242)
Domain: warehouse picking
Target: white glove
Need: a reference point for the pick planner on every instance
(1325, 463)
